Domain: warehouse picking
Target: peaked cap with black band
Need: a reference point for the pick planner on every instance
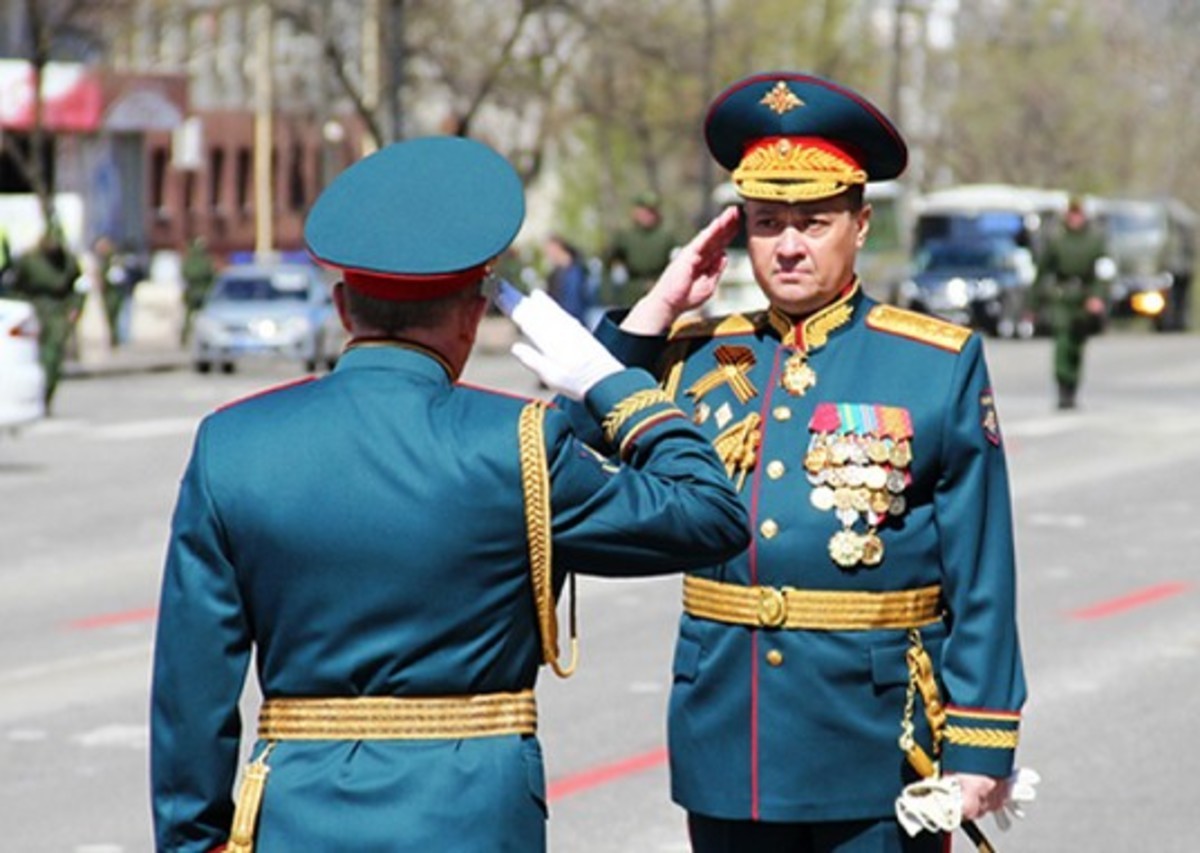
(419, 219)
(793, 137)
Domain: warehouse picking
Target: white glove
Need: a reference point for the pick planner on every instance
(934, 805)
(561, 352)
(1022, 788)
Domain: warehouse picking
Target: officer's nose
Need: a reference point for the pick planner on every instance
(791, 243)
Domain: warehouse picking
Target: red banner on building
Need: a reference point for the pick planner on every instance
(72, 99)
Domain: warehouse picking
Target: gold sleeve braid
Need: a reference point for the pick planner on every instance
(535, 485)
(982, 738)
(629, 407)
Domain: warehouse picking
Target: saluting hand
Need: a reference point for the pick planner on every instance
(688, 281)
(560, 351)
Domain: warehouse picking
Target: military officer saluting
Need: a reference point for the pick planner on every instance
(388, 542)
(869, 630)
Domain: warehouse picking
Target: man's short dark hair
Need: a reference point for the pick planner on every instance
(391, 317)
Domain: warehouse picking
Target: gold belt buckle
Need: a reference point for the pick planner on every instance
(772, 607)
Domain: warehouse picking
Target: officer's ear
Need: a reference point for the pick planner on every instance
(862, 219)
(471, 314)
(339, 302)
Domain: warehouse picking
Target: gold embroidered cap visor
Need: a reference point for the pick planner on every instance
(790, 137)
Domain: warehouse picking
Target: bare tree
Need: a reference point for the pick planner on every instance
(47, 23)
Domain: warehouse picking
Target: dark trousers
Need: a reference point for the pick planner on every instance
(712, 835)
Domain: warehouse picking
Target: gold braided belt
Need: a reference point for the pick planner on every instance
(811, 610)
(399, 718)
(373, 718)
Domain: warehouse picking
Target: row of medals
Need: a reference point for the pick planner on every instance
(858, 477)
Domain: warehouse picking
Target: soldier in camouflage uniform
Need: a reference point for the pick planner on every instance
(638, 253)
(45, 276)
(1070, 290)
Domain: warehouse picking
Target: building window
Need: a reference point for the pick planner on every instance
(189, 191)
(245, 174)
(159, 158)
(216, 179)
(297, 198)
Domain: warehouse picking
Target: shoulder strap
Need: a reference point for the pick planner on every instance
(535, 484)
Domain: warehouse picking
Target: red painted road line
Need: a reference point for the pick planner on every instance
(1149, 595)
(604, 774)
(110, 620)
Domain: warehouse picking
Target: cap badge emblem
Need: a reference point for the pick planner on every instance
(781, 99)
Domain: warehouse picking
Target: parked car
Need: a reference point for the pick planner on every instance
(262, 310)
(22, 380)
(983, 284)
(1153, 245)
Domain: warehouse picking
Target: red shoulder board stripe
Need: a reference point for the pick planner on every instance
(512, 395)
(292, 383)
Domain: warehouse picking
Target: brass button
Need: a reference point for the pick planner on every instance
(775, 657)
(768, 529)
(776, 469)
(782, 413)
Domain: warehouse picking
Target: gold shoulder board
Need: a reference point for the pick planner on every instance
(918, 327)
(711, 327)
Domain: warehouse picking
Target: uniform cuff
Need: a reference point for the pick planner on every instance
(633, 350)
(627, 405)
(980, 741)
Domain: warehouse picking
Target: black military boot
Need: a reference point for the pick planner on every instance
(1066, 396)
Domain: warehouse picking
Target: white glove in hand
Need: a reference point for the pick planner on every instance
(561, 352)
(934, 805)
(1022, 788)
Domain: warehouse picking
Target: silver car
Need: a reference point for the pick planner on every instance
(282, 310)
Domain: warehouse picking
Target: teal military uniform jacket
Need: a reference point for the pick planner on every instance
(802, 725)
(363, 534)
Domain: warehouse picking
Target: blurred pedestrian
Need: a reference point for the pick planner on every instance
(638, 252)
(199, 272)
(5, 260)
(867, 640)
(1071, 288)
(130, 268)
(47, 276)
(567, 281)
(109, 284)
(400, 619)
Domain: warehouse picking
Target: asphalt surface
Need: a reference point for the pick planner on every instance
(1105, 503)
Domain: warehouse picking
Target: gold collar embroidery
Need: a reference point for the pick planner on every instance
(813, 332)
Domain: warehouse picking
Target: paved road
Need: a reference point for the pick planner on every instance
(1106, 506)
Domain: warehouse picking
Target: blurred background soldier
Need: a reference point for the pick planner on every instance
(567, 281)
(1070, 286)
(199, 272)
(47, 276)
(114, 278)
(399, 621)
(638, 253)
(5, 260)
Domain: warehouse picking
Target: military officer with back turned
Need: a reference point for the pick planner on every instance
(388, 543)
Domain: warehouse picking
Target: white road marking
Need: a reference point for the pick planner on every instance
(84, 662)
(129, 737)
(135, 430)
(1065, 520)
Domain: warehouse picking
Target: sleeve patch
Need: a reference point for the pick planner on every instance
(988, 418)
